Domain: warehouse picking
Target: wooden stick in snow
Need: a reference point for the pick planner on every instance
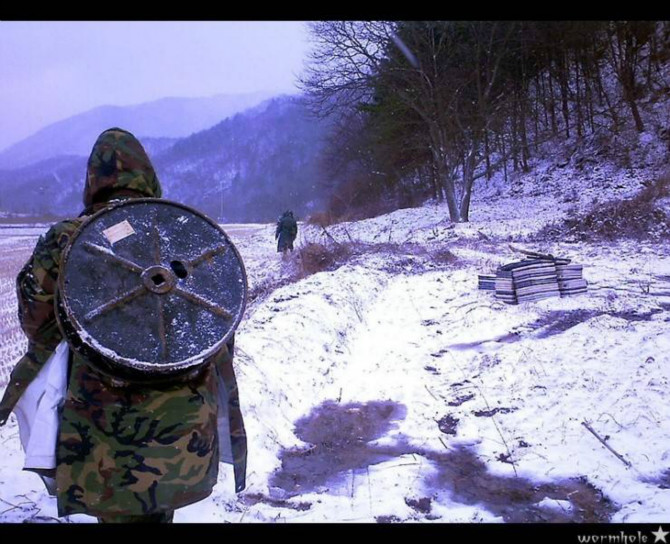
(624, 461)
(531, 253)
(330, 236)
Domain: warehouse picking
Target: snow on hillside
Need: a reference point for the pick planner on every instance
(387, 390)
(511, 385)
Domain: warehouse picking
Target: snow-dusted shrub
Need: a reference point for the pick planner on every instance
(642, 217)
(317, 257)
(442, 255)
(320, 219)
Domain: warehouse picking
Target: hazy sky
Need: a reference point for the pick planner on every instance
(52, 70)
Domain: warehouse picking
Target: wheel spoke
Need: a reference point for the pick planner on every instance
(115, 302)
(161, 328)
(103, 251)
(202, 301)
(207, 254)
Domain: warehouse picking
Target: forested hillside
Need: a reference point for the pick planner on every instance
(251, 166)
(433, 109)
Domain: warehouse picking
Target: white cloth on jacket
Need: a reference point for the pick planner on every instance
(38, 411)
(38, 414)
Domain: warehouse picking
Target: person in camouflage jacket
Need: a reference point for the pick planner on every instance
(130, 453)
(287, 230)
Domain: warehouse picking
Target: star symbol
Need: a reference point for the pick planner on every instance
(660, 535)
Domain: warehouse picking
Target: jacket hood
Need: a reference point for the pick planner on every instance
(118, 162)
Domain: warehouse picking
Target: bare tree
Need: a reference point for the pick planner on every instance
(343, 62)
(626, 40)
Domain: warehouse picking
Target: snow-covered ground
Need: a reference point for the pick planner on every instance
(391, 389)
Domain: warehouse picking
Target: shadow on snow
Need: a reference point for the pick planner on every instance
(341, 438)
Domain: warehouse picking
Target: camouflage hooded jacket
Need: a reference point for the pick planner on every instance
(287, 230)
(131, 450)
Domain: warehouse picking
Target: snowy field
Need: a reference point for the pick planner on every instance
(392, 390)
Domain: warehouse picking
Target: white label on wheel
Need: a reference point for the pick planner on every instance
(118, 232)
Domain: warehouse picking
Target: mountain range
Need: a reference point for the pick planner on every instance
(250, 166)
(164, 118)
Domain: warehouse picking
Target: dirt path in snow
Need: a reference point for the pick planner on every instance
(387, 349)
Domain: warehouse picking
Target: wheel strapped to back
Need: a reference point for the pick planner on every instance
(149, 290)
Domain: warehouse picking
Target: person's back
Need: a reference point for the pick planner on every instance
(286, 232)
(125, 452)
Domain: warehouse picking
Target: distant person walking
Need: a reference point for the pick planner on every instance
(287, 230)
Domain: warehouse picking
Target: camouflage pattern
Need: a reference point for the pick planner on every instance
(131, 450)
(118, 161)
(36, 285)
(287, 230)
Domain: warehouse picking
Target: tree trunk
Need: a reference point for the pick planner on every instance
(504, 154)
(468, 181)
(578, 100)
(488, 158)
(515, 137)
(439, 194)
(628, 85)
(588, 86)
(448, 185)
(545, 108)
(612, 111)
(563, 83)
(636, 114)
(522, 104)
(552, 110)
